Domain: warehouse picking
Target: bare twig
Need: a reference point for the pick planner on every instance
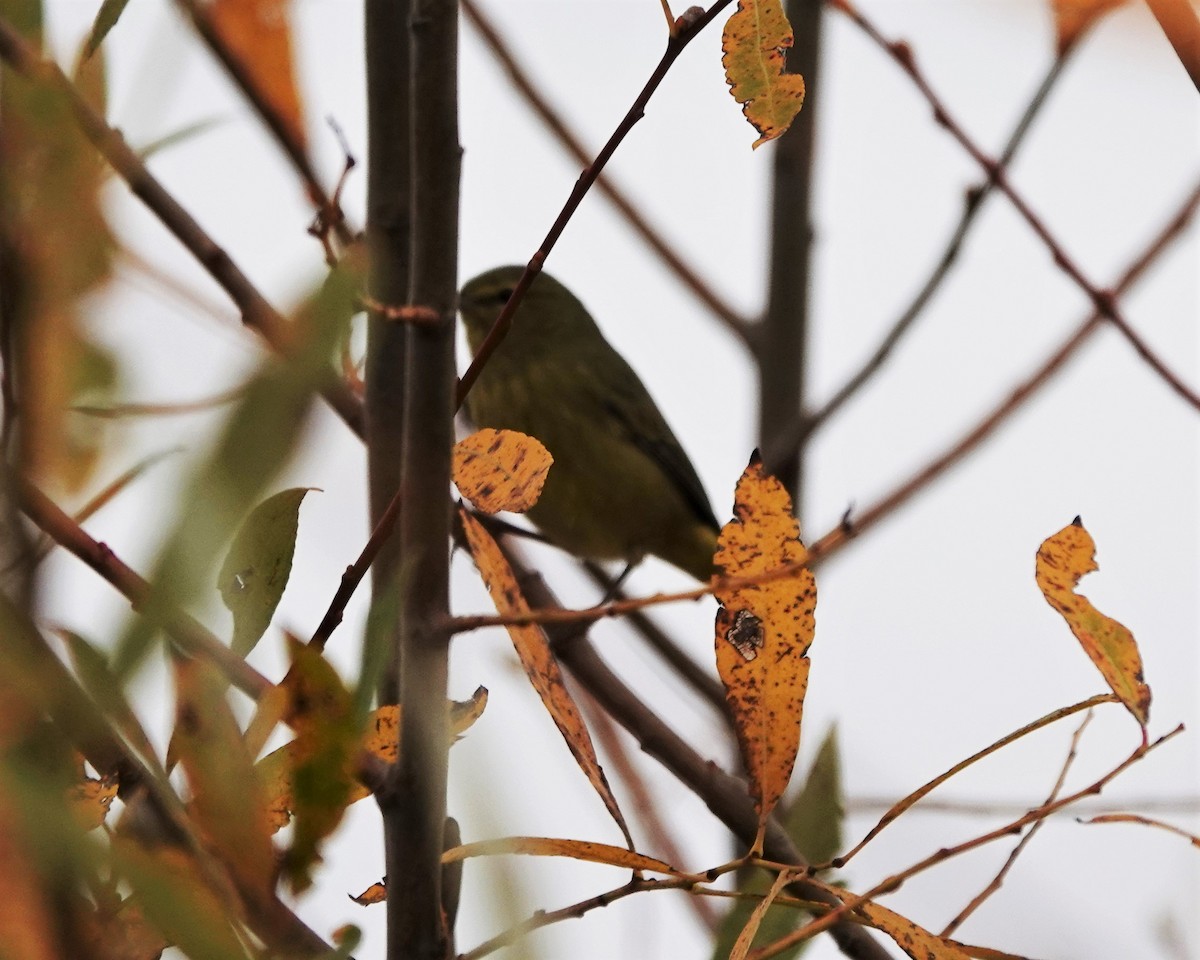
(1102, 300)
(838, 537)
(675, 46)
(257, 313)
(804, 427)
(329, 213)
(904, 805)
(573, 144)
(851, 902)
(998, 880)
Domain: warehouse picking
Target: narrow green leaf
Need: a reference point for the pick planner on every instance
(813, 820)
(257, 567)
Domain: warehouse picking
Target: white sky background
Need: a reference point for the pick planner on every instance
(932, 637)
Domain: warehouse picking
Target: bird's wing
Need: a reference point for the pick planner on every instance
(636, 415)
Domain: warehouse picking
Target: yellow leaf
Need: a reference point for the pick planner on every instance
(375, 893)
(501, 470)
(90, 799)
(259, 35)
(540, 666)
(764, 632)
(753, 44)
(555, 847)
(1073, 17)
(1061, 561)
(382, 740)
(914, 940)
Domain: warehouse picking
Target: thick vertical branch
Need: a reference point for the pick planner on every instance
(415, 806)
(781, 338)
(389, 228)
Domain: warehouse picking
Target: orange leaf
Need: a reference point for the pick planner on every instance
(501, 470)
(90, 799)
(228, 802)
(753, 44)
(764, 631)
(1073, 17)
(375, 893)
(1061, 561)
(555, 847)
(259, 35)
(540, 666)
(914, 940)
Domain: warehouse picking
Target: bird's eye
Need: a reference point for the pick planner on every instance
(504, 295)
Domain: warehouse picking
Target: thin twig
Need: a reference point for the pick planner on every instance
(257, 313)
(841, 535)
(573, 144)
(675, 46)
(804, 427)
(1103, 300)
(998, 880)
(851, 902)
(907, 803)
(329, 213)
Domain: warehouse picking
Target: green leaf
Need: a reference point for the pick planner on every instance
(107, 17)
(178, 136)
(258, 440)
(814, 818)
(814, 822)
(258, 565)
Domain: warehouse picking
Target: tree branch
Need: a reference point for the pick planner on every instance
(257, 313)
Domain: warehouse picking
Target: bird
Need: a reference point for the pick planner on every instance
(621, 486)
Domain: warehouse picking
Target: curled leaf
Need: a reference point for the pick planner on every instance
(753, 45)
(1061, 561)
(555, 847)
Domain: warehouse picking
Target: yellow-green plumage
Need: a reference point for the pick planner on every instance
(621, 486)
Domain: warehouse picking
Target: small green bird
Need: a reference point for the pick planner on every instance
(621, 486)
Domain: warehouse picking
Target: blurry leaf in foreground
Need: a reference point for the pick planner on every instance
(1073, 17)
(122, 933)
(533, 650)
(1061, 561)
(381, 740)
(90, 798)
(753, 46)
(500, 470)
(169, 886)
(26, 924)
(106, 18)
(257, 567)
(326, 746)
(178, 136)
(259, 35)
(763, 632)
(257, 441)
(90, 77)
(227, 800)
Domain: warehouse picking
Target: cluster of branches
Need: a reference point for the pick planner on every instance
(408, 285)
